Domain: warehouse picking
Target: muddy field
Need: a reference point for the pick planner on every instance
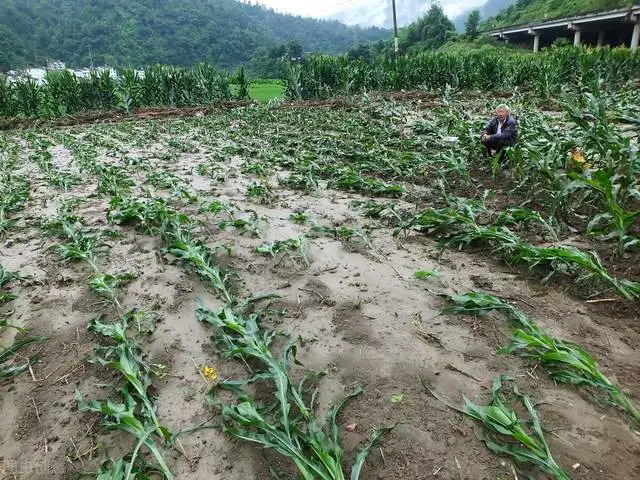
(358, 312)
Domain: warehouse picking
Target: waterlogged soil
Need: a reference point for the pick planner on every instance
(358, 312)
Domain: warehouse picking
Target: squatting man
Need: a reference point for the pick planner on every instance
(500, 132)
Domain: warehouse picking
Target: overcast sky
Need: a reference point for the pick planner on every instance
(323, 8)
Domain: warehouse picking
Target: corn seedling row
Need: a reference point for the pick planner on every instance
(289, 426)
(565, 361)
(458, 228)
(8, 366)
(135, 414)
(505, 432)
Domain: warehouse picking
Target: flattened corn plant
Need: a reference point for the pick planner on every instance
(348, 236)
(289, 425)
(294, 432)
(10, 360)
(6, 277)
(457, 227)
(565, 361)
(285, 247)
(82, 244)
(53, 175)
(9, 363)
(349, 179)
(135, 410)
(14, 193)
(505, 433)
(156, 217)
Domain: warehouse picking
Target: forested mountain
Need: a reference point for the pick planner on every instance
(525, 11)
(141, 32)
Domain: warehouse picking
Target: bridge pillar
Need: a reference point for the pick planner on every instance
(635, 38)
(600, 39)
(536, 40)
(577, 34)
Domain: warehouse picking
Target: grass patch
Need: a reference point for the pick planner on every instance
(265, 91)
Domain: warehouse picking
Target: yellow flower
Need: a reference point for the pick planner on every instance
(210, 373)
(577, 156)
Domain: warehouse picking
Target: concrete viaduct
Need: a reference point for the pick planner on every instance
(610, 27)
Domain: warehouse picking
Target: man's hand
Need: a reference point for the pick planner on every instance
(486, 137)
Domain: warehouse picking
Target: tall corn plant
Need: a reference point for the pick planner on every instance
(288, 426)
(6, 102)
(26, 97)
(128, 90)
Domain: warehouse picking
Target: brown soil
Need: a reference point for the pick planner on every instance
(363, 319)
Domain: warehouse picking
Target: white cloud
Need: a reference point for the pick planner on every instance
(317, 8)
(362, 11)
(323, 8)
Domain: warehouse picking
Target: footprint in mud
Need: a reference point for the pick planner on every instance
(318, 292)
(355, 328)
(481, 282)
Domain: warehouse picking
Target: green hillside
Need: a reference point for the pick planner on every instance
(525, 11)
(141, 32)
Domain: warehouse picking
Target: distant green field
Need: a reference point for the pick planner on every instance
(265, 91)
(262, 90)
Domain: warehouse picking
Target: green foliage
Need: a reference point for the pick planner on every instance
(81, 244)
(14, 193)
(424, 274)
(136, 412)
(471, 25)
(565, 361)
(320, 76)
(106, 285)
(616, 222)
(428, 33)
(348, 236)
(457, 227)
(262, 191)
(5, 278)
(8, 355)
(524, 11)
(505, 433)
(243, 85)
(349, 179)
(299, 217)
(289, 425)
(145, 32)
(285, 246)
(63, 93)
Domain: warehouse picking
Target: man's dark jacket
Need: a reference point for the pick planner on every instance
(509, 133)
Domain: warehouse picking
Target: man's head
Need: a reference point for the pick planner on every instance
(502, 112)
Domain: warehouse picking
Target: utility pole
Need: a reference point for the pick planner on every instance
(396, 48)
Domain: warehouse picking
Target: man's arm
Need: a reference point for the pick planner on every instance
(489, 128)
